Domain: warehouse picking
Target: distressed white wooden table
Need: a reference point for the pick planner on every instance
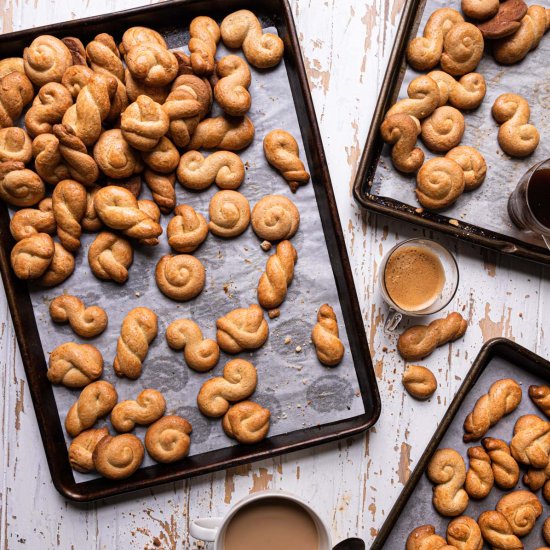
(353, 484)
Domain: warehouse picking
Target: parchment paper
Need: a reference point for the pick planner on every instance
(485, 207)
(419, 509)
(298, 390)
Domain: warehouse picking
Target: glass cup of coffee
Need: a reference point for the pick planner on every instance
(417, 277)
(529, 204)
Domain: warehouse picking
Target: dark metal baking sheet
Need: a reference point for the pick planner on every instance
(272, 13)
(499, 358)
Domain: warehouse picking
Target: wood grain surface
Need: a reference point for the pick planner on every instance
(353, 483)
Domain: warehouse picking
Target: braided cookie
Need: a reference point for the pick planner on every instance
(152, 64)
(148, 407)
(237, 383)
(242, 329)
(439, 183)
(279, 272)
(118, 457)
(463, 533)
(223, 132)
(19, 186)
(118, 209)
(138, 330)
(505, 468)
(521, 509)
(516, 136)
(479, 478)
(325, 337)
(16, 91)
(46, 59)
(472, 163)
(74, 365)
(540, 396)
(85, 321)
(48, 162)
(187, 230)
(247, 422)
(275, 218)
(31, 256)
(419, 382)
(30, 221)
(163, 157)
(420, 341)
(143, 123)
(82, 447)
(95, 401)
(110, 256)
(465, 94)
(181, 277)
(423, 53)
(47, 109)
(281, 151)
(204, 37)
(162, 189)
(401, 131)
(167, 440)
(223, 168)
(15, 145)
(153, 211)
(243, 29)
(443, 129)
(229, 213)
(69, 201)
(231, 90)
(497, 532)
(199, 354)
(503, 397)
(531, 442)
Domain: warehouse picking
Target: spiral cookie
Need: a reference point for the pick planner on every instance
(401, 131)
(180, 277)
(152, 64)
(229, 213)
(472, 163)
(74, 365)
(187, 230)
(462, 49)
(325, 337)
(87, 322)
(275, 218)
(439, 183)
(443, 129)
(231, 90)
(118, 457)
(247, 422)
(465, 94)
(223, 132)
(423, 99)
(46, 59)
(110, 256)
(148, 407)
(20, 186)
(242, 329)
(167, 440)
(140, 35)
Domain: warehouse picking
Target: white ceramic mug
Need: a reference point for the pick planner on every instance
(213, 529)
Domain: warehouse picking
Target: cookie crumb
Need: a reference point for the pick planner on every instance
(454, 222)
(266, 245)
(274, 313)
(137, 293)
(288, 339)
(298, 349)
(385, 349)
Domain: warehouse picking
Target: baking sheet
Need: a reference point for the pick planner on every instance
(419, 509)
(529, 79)
(299, 391)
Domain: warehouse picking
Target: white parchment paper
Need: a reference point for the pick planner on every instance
(487, 206)
(299, 391)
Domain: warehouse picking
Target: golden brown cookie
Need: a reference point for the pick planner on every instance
(463, 533)
(153, 211)
(118, 457)
(223, 132)
(148, 407)
(531, 442)
(247, 422)
(480, 9)
(231, 89)
(274, 218)
(242, 329)
(10, 65)
(48, 162)
(425, 537)
(30, 221)
(479, 478)
(20, 186)
(462, 49)
(115, 156)
(140, 35)
(497, 532)
(325, 336)
(75, 78)
(110, 256)
(229, 213)
(15, 145)
(419, 382)
(31, 256)
(167, 440)
(152, 64)
(16, 92)
(464, 94)
(74, 365)
(181, 277)
(82, 447)
(204, 35)
(163, 157)
(401, 131)
(60, 268)
(521, 509)
(439, 183)
(47, 109)
(69, 202)
(104, 57)
(423, 99)
(540, 396)
(505, 468)
(472, 163)
(87, 322)
(162, 189)
(443, 129)
(187, 230)
(46, 59)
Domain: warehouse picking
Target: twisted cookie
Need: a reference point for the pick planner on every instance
(242, 329)
(118, 209)
(479, 478)
(439, 183)
(231, 90)
(274, 218)
(531, 442)
(47, 109)
(472, 163)
(74, 365)
(237, 383)
(187, 230)
(118, 457)
(420, 341)
(204, 37)
(279, 272)
(247, 422)
(16, 91)
(516, 136)
(505, 468)
(463, 533)
(281, 151)
(60, 268)
(31, 256)
(521, 509)
(46, 59)
(82, 447)
(95, 401)
(69, 201)
(115, 157)
(503, 397)
(465, 94)
(243, 29)
(19, 186)
(15, 145)
(162, 189)
(325, 337)
(497, 531)
(223, 168)
(181, 277)
(167, 440)
(443, 129)
(199, 354)
(223, 132)
(103, 56)
(153, 211)
(540, 396)
(139, 328)
(143, 123)
(148, 407)
(85, 321)
(110, 256)
(152, 64)
(229, 213)
(401, 131)
(30, 221)
(423, 99)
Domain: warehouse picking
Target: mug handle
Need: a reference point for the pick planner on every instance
(394, 318)
(205, 528)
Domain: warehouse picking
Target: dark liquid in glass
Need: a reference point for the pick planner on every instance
(538, 195)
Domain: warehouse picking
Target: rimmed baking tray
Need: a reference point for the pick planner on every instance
(165, 17)
(498, 358)
(472, 228)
